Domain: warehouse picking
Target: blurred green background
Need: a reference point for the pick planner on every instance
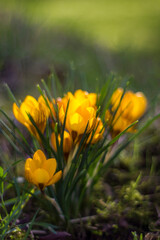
(81, 41)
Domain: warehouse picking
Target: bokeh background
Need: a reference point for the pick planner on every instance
(81, 41)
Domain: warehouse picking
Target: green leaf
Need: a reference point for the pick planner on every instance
(141, 237)
(102, 149)
(9, 202)
(47, 90)
(49, 226)
(10, 141)
(23, 139)
(11, 132)
(30, 225)
(125, 144)
(11, 94)
(1, 171)
(1, 180)
(47, 104)
(45, 142)
(73, 185)
(62, 136)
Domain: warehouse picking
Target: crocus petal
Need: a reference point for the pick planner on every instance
(77, 123)
(61, 114)
(127, 104)
(31, 101)
(55, 178)
(43, 106)
(81, 95)
(84, 104)
(40, 176)
(115, 99)
(69, 96)
(92, 98)
(73, 106)
(17, 113)
(25, 110)
(28, 106)
(119, 123)
(140, 105)
(50, 166)
(67, 142)
(29, 175)
(99, 131)
(53, 140)
(30, 164)
(39, 158)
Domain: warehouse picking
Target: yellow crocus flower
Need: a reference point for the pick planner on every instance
(67, 141)
(40, 171)
(79, 114)
(115, 99)
(80, 96)
(81, 111)
(50, 108)
(131, 108)
(98, 133)
(38, 111)
(43, 103)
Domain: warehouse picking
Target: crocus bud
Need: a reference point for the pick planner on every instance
(36, 109)
(126, 110)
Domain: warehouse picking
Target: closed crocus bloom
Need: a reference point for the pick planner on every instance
(120, 123)
(36, 109)
(117, 123)
(73, 105)
(40, 171)
(67, 141)
(80, 113)
(133, 105)
(127, 104)
(116, 97)
(99, 130)
(79, 119)
(131, 108)
(139, 106)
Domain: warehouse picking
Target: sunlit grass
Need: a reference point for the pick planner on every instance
(116, 24)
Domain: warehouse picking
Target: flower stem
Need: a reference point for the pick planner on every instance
(55, 204)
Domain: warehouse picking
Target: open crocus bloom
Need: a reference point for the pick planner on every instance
(128, 109)
(40, 171)
(36, 109)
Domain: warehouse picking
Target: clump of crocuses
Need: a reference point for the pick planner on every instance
(73, 115)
